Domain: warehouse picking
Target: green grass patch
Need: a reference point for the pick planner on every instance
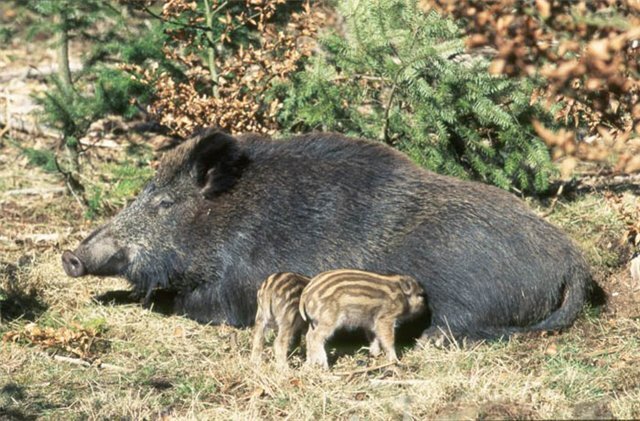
(129, 180)
(594, 225)
(119, 183)
(42, 158)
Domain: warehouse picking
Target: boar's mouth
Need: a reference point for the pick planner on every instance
(75, 266)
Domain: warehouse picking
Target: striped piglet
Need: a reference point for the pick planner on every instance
(278, 301)
(348, 298)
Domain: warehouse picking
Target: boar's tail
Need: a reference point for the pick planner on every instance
(579, 288)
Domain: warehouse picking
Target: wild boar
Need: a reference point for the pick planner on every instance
(278, 301)
(348, 298)
(224, 212)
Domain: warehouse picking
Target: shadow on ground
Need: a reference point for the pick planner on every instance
(11, 395)
(348, 342)
(586, 185)
(16, 303)
(161, 301)
(344, 342)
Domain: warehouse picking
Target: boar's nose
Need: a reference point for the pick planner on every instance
(73, 266)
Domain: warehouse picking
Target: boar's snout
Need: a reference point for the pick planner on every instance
(73, 266)
(99, 254)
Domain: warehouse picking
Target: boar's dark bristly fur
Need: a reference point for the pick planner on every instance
(223, 213)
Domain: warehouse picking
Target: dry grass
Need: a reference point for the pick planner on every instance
(173, 366)
(146, 365)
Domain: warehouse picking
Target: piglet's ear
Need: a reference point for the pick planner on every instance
(408, 285)
(217, 162)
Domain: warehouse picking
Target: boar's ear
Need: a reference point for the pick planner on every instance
(217, 162)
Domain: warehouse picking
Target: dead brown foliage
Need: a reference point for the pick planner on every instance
(242, 78)
(629, 215)
(589, 54)
(76, 339)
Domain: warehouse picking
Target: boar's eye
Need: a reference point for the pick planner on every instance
(165, 202)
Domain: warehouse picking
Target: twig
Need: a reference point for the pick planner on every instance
(409, 382)
(72, 185)
(387, 110)
(33, 72)
(365, 370)
(113, 367)
(76, 361)
(7, 117)
(35, 191)
(174, 22)
(554, 201)
(212, 46)
(341, 78)
(39, 238)
(16, 123)
(602, 352)
(9, 249)
(100, 143)
(83, 363)
(79, 199)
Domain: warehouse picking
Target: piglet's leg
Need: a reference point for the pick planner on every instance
(384, 330)
(374, 344)
(316, 338)
(258, 337)
(281, 345)
(287, 325)
(299, 328)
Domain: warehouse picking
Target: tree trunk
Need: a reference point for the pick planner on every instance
(213, 70)
(64, 71)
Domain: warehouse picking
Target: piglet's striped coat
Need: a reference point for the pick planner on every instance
(348, 298)
(278, 301)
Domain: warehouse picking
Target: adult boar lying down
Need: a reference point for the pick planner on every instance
(222, 213)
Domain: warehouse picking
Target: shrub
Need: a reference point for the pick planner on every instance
(586, 53)
(401, 75)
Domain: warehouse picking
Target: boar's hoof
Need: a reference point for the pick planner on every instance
(72, 265)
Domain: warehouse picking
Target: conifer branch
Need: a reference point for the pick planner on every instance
(64, 71)
(211, 52)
